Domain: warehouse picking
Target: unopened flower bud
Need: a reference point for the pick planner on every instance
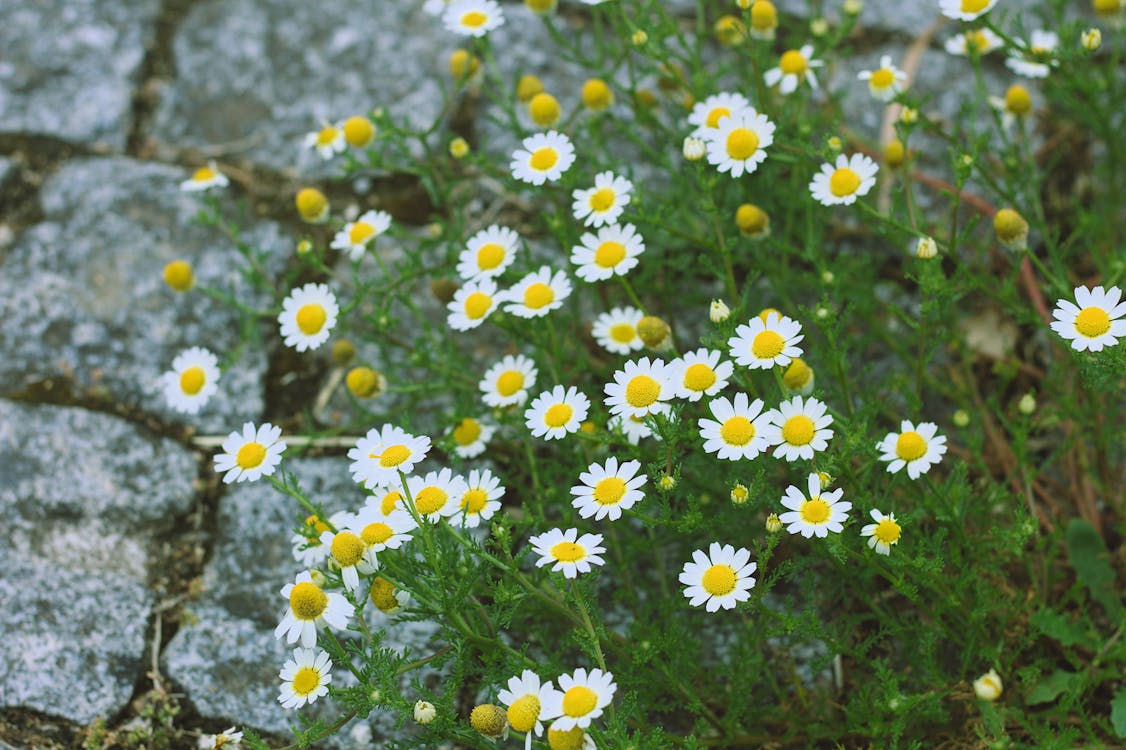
(798, 377)
(488, 719)
(544, 109)
(1091, 39)
(459, 148)
(667, 482)
(1011, 229)
(719, 311)
(1027, 404)
(961, 418)
(694, 149)
(178, 275)
(773, 523)
(424, 712)
(312, 205)
(527, 87)
(988, 687)
(596, 95)
(359, 131)
(740, 494)
(752, 221)
(364, 382)
(443, 289)
(852, 7)
(894, 153)
(926, 247)
(909, 116)
(639, 38)
(654, 332)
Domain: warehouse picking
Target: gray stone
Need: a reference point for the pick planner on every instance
(87, 301)
(257, 76)
(87, 490)
(225, 659)
(5, 168)
(70, 66)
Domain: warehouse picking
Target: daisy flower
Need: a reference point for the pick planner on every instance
(798, 428)
(721, 578)
(355, 237)
(700, 373)
(204, 179)
(883, 533)
(471, 436)
(741, 430)
(1094, 322)
(794, 66)
(611, 252)
(579, 699)
(253, 453)
(556, 413)
(639, 387)
(633, 428)
(979, 41)
(472, 304)
(737, 144)
(385, 500)
(766, 341)
(227, 738)
(436, 495)
(307, 547)
(479, 501)
(543, 158)
(193, 379)
(382, 453)
(537, 294)
(965, 10)
(507, 382)
(306, 677)
(603, 203)
(706, 115)
(310, 610)
(378, 531)
(616, 331)
(917, 447)
(488, 253)
(308, 315)
(818, 514)
(851, 178)
(472, 17)
(328, 141)
(886, 81)
(567, 552)
(347, 550)
(1041, 44)
(524, 699)
(608, 489)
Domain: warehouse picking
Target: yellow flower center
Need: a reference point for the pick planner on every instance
(376, 533)
(1092, 322)
(815, 511)
(887, 531)
(566, 739)
(316, 524)
(568, 552)
(1017, 100)
(360, 233)
(910, 446)
(609, 491)
(310, 318)
(203, 174)
(579, 701)
(543, 159)
(558, 415)
(793, 63)
(430, 500)
(327, 136)
(307, 601)
(306, 680)
(524, 712)
(642, 391)
(882, 78)
(389, 502)
(717, 114)
(609, 254)
(467, 431)
(192, 380)
(797, 374)
(764, 16)
(844, 181)
(509, 382)
(623, 333)
(742, 143)
(382, 595)
(489, 256)
(178, 275)
(767, 345)
(719, 580)
(798, 430)
(737, 431)
(474, 501)
(477, 305)
(602, 199)
(699, 377)
(538, 295)
(394, 455)
(250, 455)
(974, 6)
(347, 549)
(474, 19)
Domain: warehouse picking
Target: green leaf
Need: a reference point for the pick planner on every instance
(1051, 687)
(1089, 557)
(1060, 627)
(1118, 712)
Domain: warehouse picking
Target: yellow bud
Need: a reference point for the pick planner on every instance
(1018, 100)
(178, 275)
(383, 595)
(653, 331)
(895, 153)
(343, 351)
(359, 131)
(566, 739)
(667, 482)
(459, 148)
(764, 16)
(1011, 229)
(588, 427)
(730, 31)
(304, 247)
(312, 205)
(463, 64)
(752, 221)
(364, 382)
(544, 109)
(740, 494)
(489, 720)
(834, 144)
(639, 38)
(1107, 7)
(909, 116)
(540, 7)
(1091, 39)
(596, 95)
(798, 376)
(527, 87)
